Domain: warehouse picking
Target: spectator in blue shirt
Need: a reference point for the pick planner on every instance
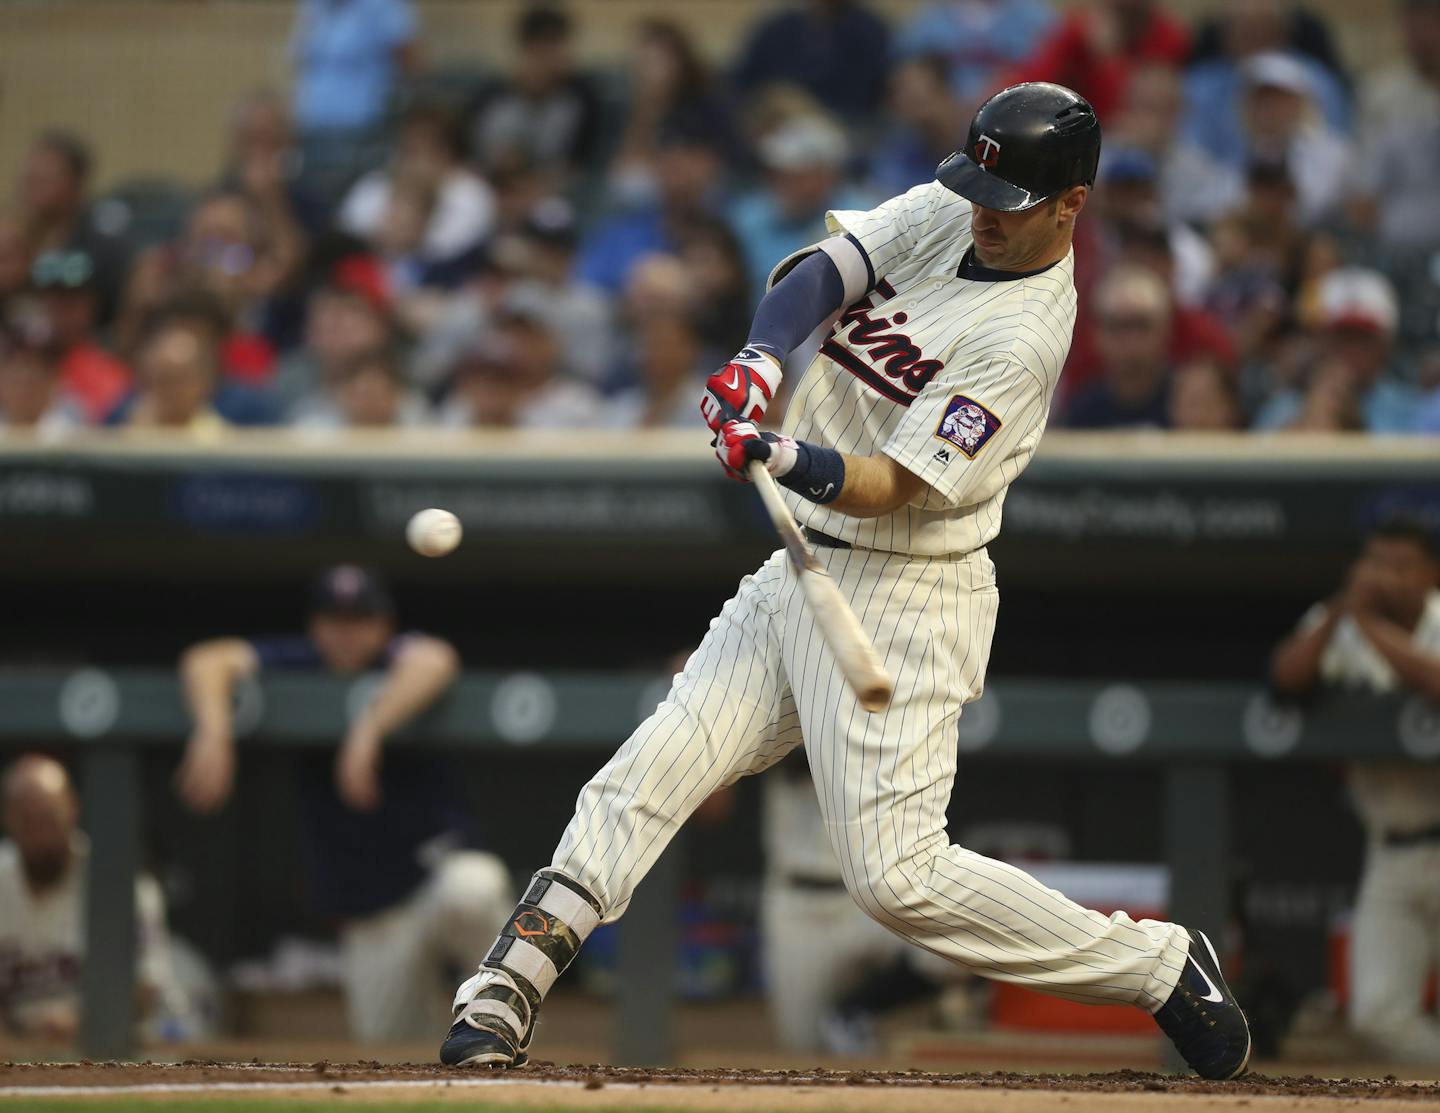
(837, 50)
(1427, 418)
(804, 160)
(348, 54)
(688, 165)
(927, 122)
(1132, 336)
(382, 839)
(980, 39)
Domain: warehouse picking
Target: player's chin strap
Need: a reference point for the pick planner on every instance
(542, 938)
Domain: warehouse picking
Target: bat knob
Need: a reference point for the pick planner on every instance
(877, 696)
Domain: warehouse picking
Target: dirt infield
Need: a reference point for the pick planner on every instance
(600, 1087)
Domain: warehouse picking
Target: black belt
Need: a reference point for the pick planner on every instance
(813, 883)
(824, 540)
(1412, 838)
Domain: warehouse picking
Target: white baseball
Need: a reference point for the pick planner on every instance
(433, 532)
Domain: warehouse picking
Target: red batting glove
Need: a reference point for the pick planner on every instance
(739, 442)
(741, 390)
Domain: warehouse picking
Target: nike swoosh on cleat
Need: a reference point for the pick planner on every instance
(1214, 996)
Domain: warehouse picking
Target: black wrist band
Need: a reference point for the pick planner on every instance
(818, 474)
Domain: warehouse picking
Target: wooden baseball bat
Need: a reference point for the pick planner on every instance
(852, 650)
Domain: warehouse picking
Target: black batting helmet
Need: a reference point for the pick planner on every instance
(1026, 144)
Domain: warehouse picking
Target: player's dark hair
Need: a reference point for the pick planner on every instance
(1407, 527)
(72, 150)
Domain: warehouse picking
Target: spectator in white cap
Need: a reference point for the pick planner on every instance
(1358, 316)
(1280, 125)
(1281, 122)
(1215, 82)
(804, 158)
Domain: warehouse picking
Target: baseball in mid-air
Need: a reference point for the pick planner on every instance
(433, 532)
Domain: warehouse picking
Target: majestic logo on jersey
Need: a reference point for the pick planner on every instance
(967, 425)
(987, 152)
(893, 364)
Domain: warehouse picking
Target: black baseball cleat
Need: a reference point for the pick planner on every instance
(494, 1021)
(1203, 1019)
(467, 1045)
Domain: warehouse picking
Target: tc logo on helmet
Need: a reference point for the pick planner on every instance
(987, 152)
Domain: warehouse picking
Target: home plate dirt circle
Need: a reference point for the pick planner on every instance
(602, 1087)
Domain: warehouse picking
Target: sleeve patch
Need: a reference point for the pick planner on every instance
(967, 425)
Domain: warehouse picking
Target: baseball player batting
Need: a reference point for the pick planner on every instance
(950, 310)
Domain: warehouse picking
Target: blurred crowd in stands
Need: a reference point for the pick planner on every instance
(551, 247)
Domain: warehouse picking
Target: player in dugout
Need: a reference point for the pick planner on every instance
(1381, 633)
(386, 841)
(44, 862)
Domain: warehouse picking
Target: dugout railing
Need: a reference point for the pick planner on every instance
(1197, 734)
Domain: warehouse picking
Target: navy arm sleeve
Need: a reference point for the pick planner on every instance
(796, 305)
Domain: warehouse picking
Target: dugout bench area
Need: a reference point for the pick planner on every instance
(1144, 579)
(1201, 735)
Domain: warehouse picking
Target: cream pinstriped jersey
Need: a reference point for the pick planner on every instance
(1399, 797)
(950, 377)
(42, 938)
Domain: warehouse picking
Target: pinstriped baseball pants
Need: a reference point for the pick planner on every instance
(762, 682)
